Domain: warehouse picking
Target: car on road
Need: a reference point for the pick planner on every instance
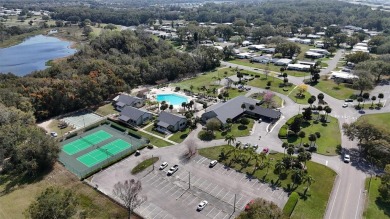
(260, 120)
(53, 134)
(137, 153)
(163, 165)
(348, 100)
(248, 206)
(173, 169)
(265, 150)
(246, 145)
(238, 143)
(345, 105)
(202, 205)
(347, 158)
(213, 163)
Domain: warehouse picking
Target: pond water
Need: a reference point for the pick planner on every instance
(32, 54)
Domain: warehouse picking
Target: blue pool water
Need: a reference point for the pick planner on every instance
(173, 99)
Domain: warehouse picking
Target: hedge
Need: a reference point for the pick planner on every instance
(283, 131)
(291, 203)
(131, 133)
(118, 127)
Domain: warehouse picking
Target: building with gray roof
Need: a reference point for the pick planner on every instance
(233, 109)
(124, 100)
(134, 116)
(169, 122)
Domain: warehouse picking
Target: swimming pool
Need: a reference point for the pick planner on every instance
(173, 99)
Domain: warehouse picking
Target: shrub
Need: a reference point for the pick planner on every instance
(177, 89)
(133, 134)
(269, 83)
(205, 135)
(318, 134)
(283, 131)
(118, 127)
(291, 203)
(290, 121)
(291, 133)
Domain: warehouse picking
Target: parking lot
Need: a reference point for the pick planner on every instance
(174, 197)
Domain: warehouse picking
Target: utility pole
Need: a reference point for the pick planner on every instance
(234, 204)
(153, 162)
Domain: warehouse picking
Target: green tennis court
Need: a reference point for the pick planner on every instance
(98, 155)
(86, 142)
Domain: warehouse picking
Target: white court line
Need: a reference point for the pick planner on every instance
(210, 211)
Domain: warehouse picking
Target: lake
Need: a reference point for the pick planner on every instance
(32, 54)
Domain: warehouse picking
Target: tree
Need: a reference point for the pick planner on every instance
(320, 97)
(311, 101)
(302, 88)
(301, 135)
(307, 113)
(357, 57)
(384, 188)
(128, 193)
(243, 106)
(340, 38)
(296, 124)
(332, 50)
(192, 148)
(380, 96)
(285, 80)
(359, 100)
(213, 124)
(279, 167)
(288, 49)
(284, 146)
(327, 110)
(373, 98)
(309, 180)
(363, 82)
(230, 139)
(307, 31)
(262, 31)
(54, 202)
(262, 209)
(312, 138)
(363, 131)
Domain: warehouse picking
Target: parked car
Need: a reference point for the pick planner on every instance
(137, 153)
(202, 205)
(173, 169)
(53, 134)
(347, 158)
(266, 150)
(248, 206)
(238, 143)
(345, 105)
(260, 120)
(213, 163)
(163, 165)
(246, 145)
(348, 100)
(255, 146)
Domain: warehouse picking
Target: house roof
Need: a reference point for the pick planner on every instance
(163, 124)
(132, 113)
(232, 109)
(169, 118)
(126, 100)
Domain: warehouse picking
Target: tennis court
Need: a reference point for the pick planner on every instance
(98, 155)
(86, 142)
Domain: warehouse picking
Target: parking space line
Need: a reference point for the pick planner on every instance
(151, 178)
(231, 171)
(217, 214)
(205, 181)
(240, 199)
(201, 160)
(231, 199)
(151, 211)
(165, 186)
(189, 195)
(158, 213)
(163, 181)
(225, 195)
(210, 211)
(207, 161)
(196, 181)
(219, 192)
(153, 183)
(175, 192)
(192, 200)
(170, 189)
(280, 195)
(227, 215)
(213, 188)
(145, 208)
(165, 216)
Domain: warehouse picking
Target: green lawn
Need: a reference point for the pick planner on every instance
(106, 110)
(277, 101)
(53, 127)
(207, 79)
(381, 120)
(271, 67)
(341, 91)
(144, 164)
(374, 207)
(311, 206)
(304, 49)
(179, 136)
(150, 129)
(237, 130)
(234, 92)
(330, 135)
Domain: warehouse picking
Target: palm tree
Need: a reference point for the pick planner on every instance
(320, 97)
(327, 110)
(298, 174)
(309, 180)
(373, 98)
(310, 101)
(312, 138)
(290, 150)
(301, 134)
(230, 139)
(251, 107)
(184, 104)
(280, 167)
(284, 146)
(359, 99)
(319, 109)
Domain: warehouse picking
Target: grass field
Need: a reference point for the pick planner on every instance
(310, 206)
(381, 120)
(14, 202)
(237, 130)
(234, 92)
(106, 110)
(206, 79)
(374, 207)
(271, 67)
(330, 135)
(53, 127)
(304, 49)
(153, 140)
(180, 136)
(144, 164)
(150, 129)
(329, 87)
(277, 101)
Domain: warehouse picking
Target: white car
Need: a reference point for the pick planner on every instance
(163, 165)
(213, 163)
(173, 169)
(246, 146)
(202, 205)
(345, 105)
(255, 146)
(53, 134)
(347, 158)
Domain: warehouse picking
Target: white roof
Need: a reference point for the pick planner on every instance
(301, 66)
(344, 75)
